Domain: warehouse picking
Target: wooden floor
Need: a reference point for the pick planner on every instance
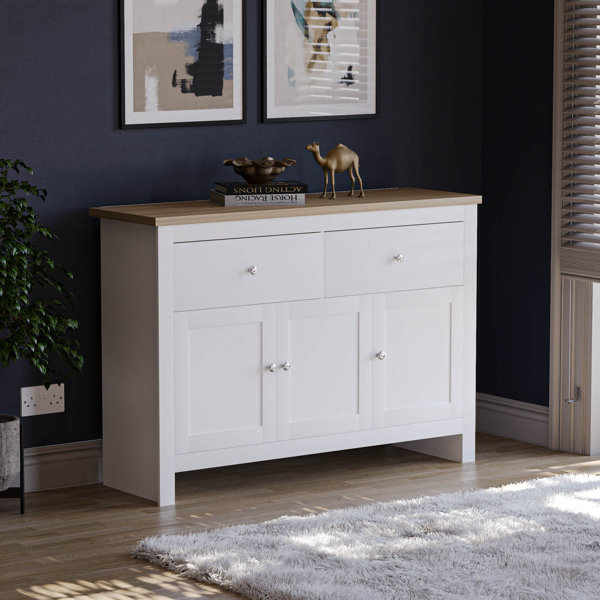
(74, 543)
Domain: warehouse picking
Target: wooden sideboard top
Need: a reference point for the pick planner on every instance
(184, 213)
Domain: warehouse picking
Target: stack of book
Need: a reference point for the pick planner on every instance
(276, 193)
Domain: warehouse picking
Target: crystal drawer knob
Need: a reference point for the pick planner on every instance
(272, 367)
(381, 355)
(398, 258)
(286, 366)
(253, 270)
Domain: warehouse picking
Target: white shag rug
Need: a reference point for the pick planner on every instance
(537, 540)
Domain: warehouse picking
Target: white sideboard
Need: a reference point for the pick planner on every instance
(233, 335)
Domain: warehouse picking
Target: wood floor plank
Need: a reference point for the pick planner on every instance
(75, 543)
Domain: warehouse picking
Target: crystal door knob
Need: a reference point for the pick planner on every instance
(286, 366)
(272, 367)
(399, 258)
(253, 270)
(381, 355)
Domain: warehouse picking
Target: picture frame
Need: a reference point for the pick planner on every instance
(182, 62)
(320, 60)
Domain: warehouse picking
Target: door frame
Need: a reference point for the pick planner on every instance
(574, 416)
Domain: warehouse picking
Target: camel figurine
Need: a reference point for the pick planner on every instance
(337, 160)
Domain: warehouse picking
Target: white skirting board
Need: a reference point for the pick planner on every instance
(512, 419)
(63, 465)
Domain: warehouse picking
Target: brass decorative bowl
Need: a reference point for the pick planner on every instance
(259, 171)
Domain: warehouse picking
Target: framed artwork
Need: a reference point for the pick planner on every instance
(182, 62)
(320, 59)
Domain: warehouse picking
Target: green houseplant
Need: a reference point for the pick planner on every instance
(34, 301)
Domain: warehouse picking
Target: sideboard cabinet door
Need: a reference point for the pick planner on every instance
(224, 389)
(418, 357)
(325, 387)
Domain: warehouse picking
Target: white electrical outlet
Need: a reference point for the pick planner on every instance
(38, 400)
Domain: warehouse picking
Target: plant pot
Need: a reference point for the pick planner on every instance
(10, 448)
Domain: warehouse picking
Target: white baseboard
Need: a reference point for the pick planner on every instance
(513, 419)
(63, 465)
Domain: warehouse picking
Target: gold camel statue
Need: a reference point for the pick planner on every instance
(337, 160)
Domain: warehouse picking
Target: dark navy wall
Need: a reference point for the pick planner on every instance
(515, 220)
(59, 99)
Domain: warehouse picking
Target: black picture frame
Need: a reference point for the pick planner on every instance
(125, 93)
(266, 118)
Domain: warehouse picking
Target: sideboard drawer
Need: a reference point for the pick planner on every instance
(390, 259)
(247, 271)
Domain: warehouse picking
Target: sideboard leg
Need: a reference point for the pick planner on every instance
(166, 495)
(458, 448)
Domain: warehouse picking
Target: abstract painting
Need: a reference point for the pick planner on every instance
(182, 62)
(320, 59)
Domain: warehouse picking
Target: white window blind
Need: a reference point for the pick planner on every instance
(580, 174)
